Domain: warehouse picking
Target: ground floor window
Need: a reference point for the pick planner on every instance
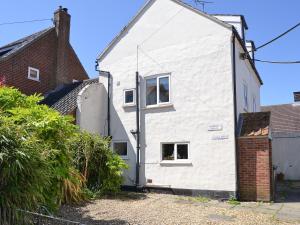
(175, 151)
(120, 147)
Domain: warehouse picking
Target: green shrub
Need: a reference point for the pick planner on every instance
(45, 160)
(24, 172)
(101, 168)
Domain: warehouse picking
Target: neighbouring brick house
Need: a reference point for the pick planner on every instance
(255, 158)
(42, 61)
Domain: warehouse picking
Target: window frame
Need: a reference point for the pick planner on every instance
(122, 156)
(175, 160)
(157, 77)
(134, 97)
(32, 78)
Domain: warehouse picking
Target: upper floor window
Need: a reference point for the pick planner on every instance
(245, 96)
(33, 74)
(158, 90)
(129, 97)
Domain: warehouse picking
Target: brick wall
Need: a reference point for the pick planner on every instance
(40, 55)
(52, 54)
(255, 168)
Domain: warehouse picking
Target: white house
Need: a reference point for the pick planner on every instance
(195, 77)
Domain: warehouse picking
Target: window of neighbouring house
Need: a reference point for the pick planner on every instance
(254, 104)
(120, 148)
(175, 151)
(129, 97)
(245, 97)
(158, 90)
(33, 74)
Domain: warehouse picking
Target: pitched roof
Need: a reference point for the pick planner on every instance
(284, 118)
(11, 48)
(255, 124)
(64, 99)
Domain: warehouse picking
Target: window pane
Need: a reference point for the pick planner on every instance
(33, 74)
(164, 89)
(121, 148)
(151, 92)
(168, 151)
(182, 151)
(128, 96)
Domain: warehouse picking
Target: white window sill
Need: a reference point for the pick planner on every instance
(124, 157)
(37, 80)
(166, 105)
(176, 162)
(128, 105)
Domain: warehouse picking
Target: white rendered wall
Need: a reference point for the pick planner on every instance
(92, 109)
(197, 53)
(246, 75)
(286, 155)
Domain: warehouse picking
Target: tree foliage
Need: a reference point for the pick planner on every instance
(42, 155)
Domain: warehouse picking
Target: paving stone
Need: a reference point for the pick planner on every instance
(220, 218)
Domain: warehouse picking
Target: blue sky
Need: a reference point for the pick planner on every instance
(95, 22)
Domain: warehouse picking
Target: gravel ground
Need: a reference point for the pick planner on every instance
(163, 209)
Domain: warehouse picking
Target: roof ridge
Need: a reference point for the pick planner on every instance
(24, 38)
(19, 44)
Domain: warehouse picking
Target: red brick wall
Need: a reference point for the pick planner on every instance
(255, 169)
(41, 55)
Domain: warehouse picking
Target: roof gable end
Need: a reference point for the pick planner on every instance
(142, 11)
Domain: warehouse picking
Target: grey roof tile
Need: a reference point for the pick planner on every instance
(15, 46)
(64, 99)
(284, 118)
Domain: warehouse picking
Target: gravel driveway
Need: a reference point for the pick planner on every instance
(163, 209)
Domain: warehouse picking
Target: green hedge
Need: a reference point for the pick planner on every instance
(45, 160)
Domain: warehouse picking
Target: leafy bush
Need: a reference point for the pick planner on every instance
(101, 168)
(37, 146)
(24, 173)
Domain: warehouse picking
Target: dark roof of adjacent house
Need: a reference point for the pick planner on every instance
(284, 118)
(16, 46)
(255, 124)
(64, 99)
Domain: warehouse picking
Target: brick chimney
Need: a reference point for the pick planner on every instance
(62, 26)
(297, 96)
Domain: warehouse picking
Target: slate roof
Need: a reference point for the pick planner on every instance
(16, 46)
(64, 99)
(284, 118)
(255, 124)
